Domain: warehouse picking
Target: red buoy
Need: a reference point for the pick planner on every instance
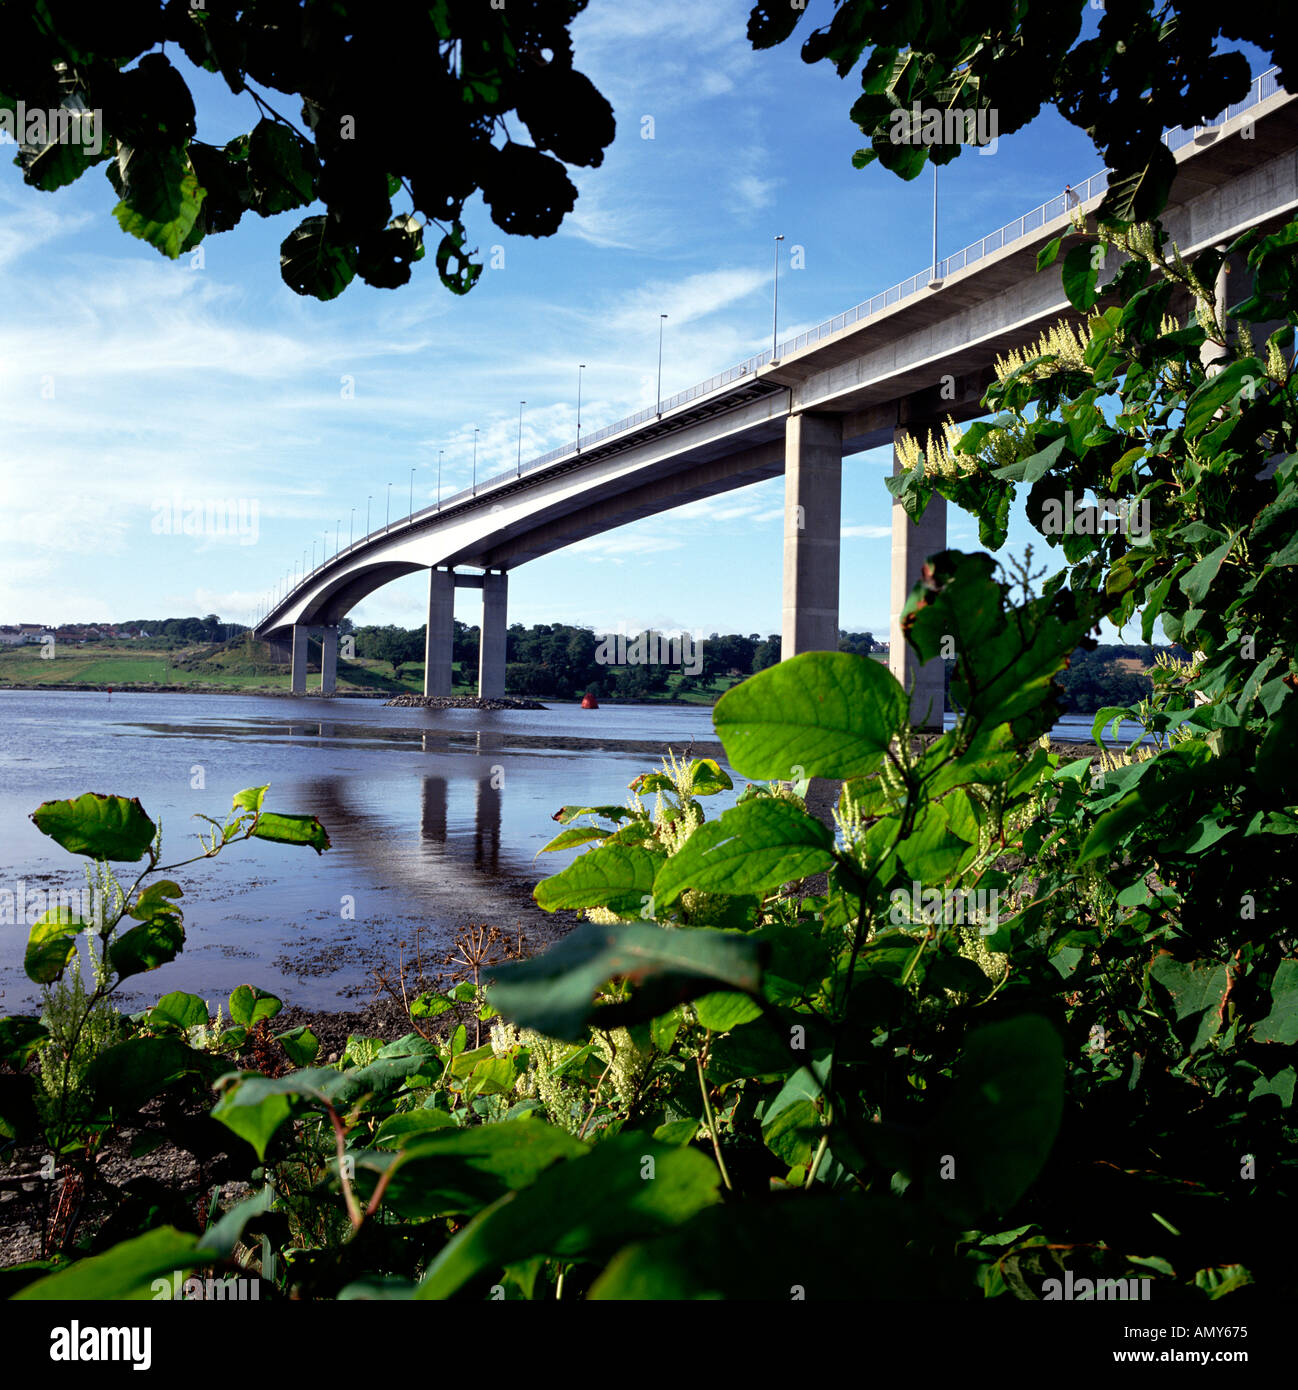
(589, 702)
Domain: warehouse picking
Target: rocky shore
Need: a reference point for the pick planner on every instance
(461, 702)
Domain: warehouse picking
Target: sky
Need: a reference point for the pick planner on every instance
(129, 383)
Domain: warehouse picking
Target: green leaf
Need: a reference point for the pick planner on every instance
(619, 877)
(1046, 256)
(586, 1208)
(753, 847)
(292, 830)
(1196, 582)
(449, 1171)
(1079, 275)
(825, 1248)
(820, 714)
(725, 1010)
(282, 168)
(312, 263)
(254, 1107)
(574, 835)
(707, 777)
(127, 1271)
(997, 1127)
(21, 1039)
(553, 992)
(1223, 392)
(1198, 991)
(1281, 1024)
(249, 1005)
(1035, 467)
(130, 1074)
(51, 944)
(161, 198)
(301, 1044)
(178, 1010)
(101, 827)
(249, 799)
(155, 901)
(146, 947)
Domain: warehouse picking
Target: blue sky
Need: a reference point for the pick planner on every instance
(126, 379)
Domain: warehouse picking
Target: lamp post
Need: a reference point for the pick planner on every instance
(475, 460)
(519, 473)
(338, 534)
(368, 500)
(662, 318)
(387, 515)
(412, 492)
(313, 557)
(440, 452)
(775, 310)
(580, 369)
(351, 524)
(934, 282)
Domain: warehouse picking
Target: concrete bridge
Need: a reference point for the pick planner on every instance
(900, 362)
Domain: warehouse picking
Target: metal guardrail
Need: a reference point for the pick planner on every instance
(1265, 86)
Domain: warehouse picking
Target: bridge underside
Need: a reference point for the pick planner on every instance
(904, 370)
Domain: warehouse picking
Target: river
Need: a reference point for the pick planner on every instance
(435, 818)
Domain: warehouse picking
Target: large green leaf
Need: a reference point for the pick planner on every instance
(820, 714)
(752, 848)
(1222, 392)
(51, 944)
(131, 1073)
(147, 946)
(619, 877)
(449, 1171)
(628, 1186)
(826, 1247)
(102, 827)
(1198, 991)
(1281, 1024)
(249, 1005)
(554, 992)
(292, 830)
(282, 168)
(161, 198)
(178, 1010)
(127, 1271)
(313, 263)
(998, 1125)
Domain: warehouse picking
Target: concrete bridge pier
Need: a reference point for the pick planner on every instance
(912, 544)
(491, 650)
(328, 660)
(813, 484)
(440, 641)
(297, 679)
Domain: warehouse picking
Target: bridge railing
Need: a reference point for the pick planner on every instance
(1265, 86)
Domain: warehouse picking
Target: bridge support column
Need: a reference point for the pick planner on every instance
(491, 651)
(440, 641)
(297, 679)
(912, 544)
(813, 477)
(328, 661)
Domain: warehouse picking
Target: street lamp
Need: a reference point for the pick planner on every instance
(351, 524)
(580, 369)
(387, 516)
(440, 452)
(775, 312)
(338, 535)
(313, 557)
(662, 318)
(412, 492)
(519, 473)
(475, 460)
(934, 283)
(368, 500)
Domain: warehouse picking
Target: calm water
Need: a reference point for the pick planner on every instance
(435, 818)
